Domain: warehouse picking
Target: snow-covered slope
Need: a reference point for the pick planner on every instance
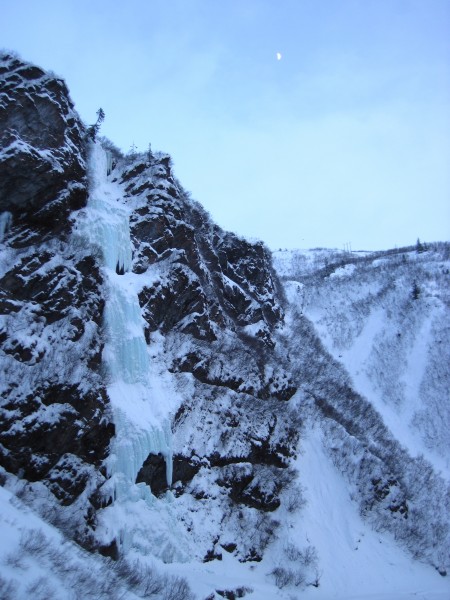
(385, 317)
(370, 312)
(38, 561)
(166, 402)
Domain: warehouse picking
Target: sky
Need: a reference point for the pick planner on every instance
(342, 141)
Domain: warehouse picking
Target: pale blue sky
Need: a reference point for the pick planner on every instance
(346, 139)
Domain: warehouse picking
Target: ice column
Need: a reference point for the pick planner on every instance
(5, 223)
(126, 353)
(138, 431)
(109, 162)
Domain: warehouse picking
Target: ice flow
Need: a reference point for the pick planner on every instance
(139, 432)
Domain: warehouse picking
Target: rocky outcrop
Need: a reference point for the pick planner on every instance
(212, 295)
(42, 166)
(209, 289)
(211, 279)
(213, 315)
(53, 401)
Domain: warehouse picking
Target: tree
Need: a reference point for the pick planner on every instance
(95, 128)
(132, 153)
(419, 246)
(149, 153)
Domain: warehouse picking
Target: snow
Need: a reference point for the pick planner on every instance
(364, 315)
(254, 329)
(358, 361)
(15, 521)
(356, 562)
(36, 561)
(344, 271)
(363, 311)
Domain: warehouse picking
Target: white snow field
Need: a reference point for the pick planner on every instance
(356, 562)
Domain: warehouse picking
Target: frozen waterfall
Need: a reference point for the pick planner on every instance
(5, 223)
(139, 431)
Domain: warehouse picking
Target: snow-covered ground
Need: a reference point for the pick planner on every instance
(368, 319)
(356, 562)
(37, 562)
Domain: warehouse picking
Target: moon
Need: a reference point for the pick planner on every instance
(278, 55)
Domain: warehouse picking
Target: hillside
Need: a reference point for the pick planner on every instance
(384, 316)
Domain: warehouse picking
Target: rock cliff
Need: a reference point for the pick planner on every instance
(42, 168)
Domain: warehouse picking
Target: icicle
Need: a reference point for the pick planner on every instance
(109, 162)
(110, 231)
(5, 224)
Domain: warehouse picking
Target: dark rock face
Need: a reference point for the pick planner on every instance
(42, 167)
(153, 473)
(54, 423)
(209, 282)
(212, 279)
(239, 592)
(214, 291)
(253, 480)
(219, 298)
(223, 370)
(219, 307)
(172, 300)
(52, 400)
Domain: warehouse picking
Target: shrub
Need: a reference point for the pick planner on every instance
(40, 589)
(34, 542)
(177, 589)
(294, 499)
(7, 589)
(145, 582)
(15, 560)
(282, 576)
(308, 556)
